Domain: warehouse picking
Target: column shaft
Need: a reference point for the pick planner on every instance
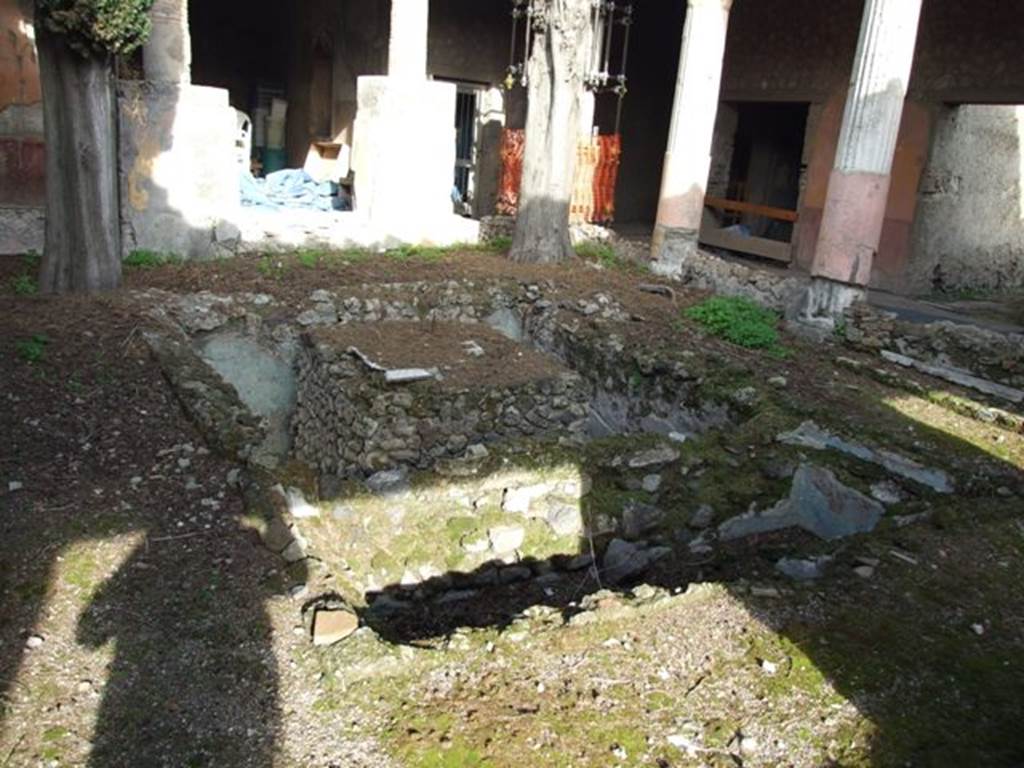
(167, 54)
(407, 47)
(688, 155)
(858, 190)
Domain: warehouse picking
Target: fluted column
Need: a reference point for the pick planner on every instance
(407, 46)
(858, 189)
(688, 155)
(167, 54)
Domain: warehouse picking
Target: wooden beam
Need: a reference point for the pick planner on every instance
(756, 246)
(769, 212)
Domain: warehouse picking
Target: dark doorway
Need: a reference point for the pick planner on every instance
(767, 163)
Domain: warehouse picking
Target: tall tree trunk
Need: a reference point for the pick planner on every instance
(555, 79)
(83, 232)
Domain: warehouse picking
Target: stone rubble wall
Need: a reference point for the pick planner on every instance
(349, 422)
(996, 357)
(781, 291)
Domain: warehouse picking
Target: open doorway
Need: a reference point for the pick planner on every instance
(758, 212)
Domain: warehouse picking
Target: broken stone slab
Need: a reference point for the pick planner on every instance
(957, 376)
(817, 503)
(810, 435)
(332, 626)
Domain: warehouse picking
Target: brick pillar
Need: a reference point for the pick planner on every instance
(858, 188)
(407, 46)
(167, 54)
(688, 155)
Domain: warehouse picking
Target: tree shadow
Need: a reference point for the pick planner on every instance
(925, 638)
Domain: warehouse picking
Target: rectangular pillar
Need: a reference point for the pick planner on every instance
(688, 155)
(404, 141)
(858, 189)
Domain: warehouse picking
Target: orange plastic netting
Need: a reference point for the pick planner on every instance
(597, 172)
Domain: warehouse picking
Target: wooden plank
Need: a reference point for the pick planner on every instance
(756, 246)
(769, 212)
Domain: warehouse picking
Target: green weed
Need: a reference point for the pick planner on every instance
(602, 253)
(498, 244)
(145, 259)
(25, 283)
(739, 321)
(310, 257)
(32, 350)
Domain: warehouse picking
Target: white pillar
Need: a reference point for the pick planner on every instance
(167, 54)
(688, 155)
(407, 46)
(858, 190)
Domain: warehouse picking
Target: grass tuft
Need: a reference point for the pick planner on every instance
(145, 259)
(739, 321)
(32, 350)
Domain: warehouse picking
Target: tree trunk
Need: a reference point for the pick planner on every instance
(83, 231)
(555, 80)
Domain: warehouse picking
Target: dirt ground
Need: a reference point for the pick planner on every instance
(141, 624)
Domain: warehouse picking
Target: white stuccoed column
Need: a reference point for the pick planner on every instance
(407, 46)
(688, 155)
(858, 190)
(167, 54)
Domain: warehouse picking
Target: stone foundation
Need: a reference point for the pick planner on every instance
(351, 422)
(992, 356)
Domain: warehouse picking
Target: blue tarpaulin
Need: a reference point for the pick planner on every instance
(292, 188)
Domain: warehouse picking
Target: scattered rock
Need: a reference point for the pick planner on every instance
(14, 485)
(639, 518)
(623, 559)
(703, 517)
(651, 483)
(389, 481)
(332, 626)
(888, 492)
(803, 569)
(506, 539)
(34, 642)
(473, 349)
(779, 381)
(657, 457)
(864, 571)
(518, 500)
(978, 629)
(818, 503)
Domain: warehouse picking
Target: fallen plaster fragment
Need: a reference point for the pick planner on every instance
(817, 503)
(397, 375)
(810, 435)
(409, 375)
(957, 376)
